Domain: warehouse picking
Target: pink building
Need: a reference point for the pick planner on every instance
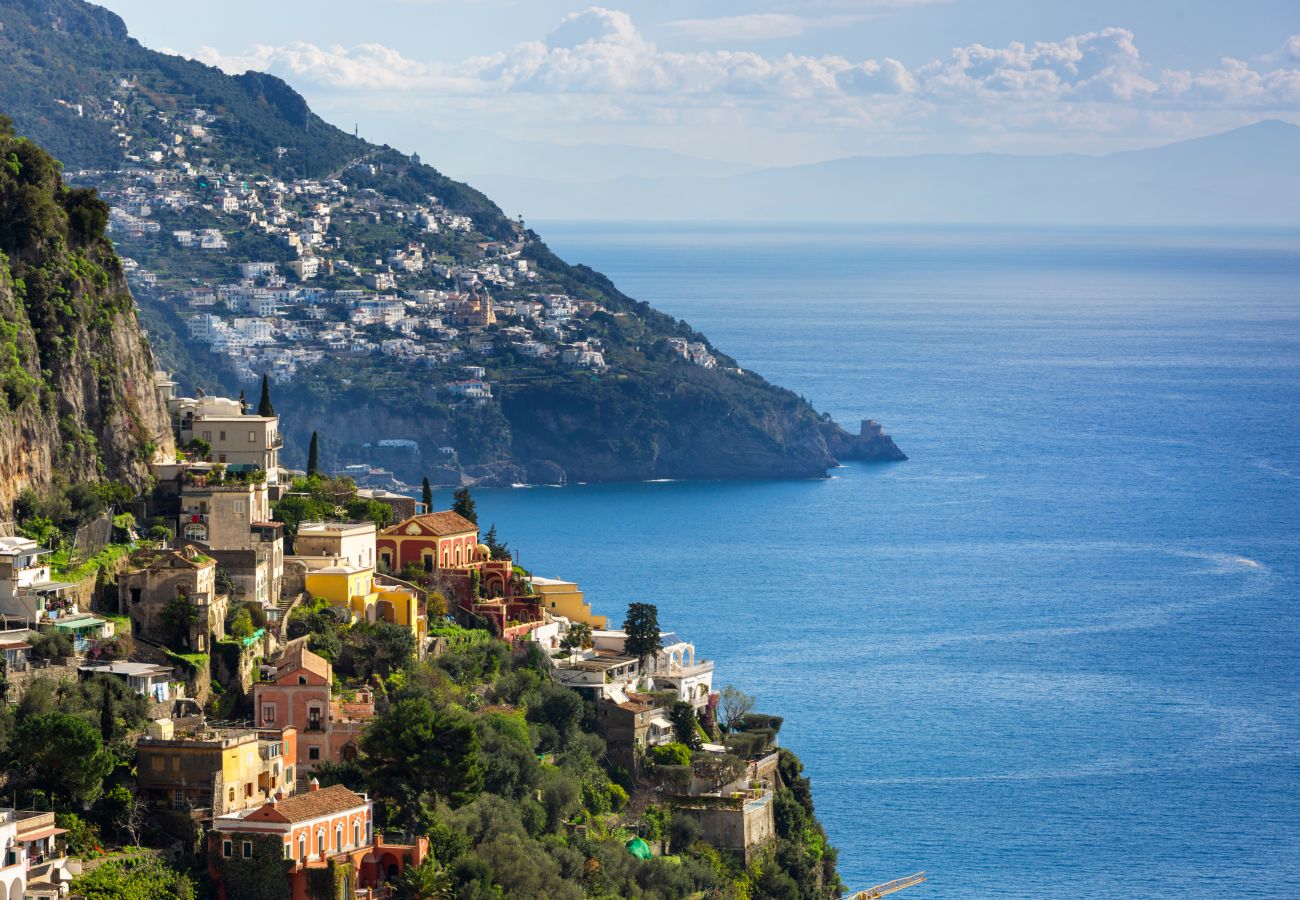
(300, 693)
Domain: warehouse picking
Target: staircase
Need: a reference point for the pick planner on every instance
(286, 606)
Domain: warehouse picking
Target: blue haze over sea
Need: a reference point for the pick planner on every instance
(1055, 653)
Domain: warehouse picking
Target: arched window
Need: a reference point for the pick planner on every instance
(302, 847)
(457, 556)
(356, 832)
(386, 560)
(320, 843)
(338, 838)
(195, 531)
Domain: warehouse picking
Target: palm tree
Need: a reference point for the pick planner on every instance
(579, 636)
(427, 881)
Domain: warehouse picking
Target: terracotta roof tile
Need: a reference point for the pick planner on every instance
(313, 804)
(296, 655)
(438, 523)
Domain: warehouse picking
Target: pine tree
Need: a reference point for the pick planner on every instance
(426, 494)
(463, 503)
(264, 407)
(313, 457)
(642, 628)
(498, 549)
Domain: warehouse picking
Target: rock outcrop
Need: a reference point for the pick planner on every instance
(77, 397)
(870, 444)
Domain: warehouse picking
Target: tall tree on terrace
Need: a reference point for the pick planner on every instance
(426, 495)
(264, 407)
(642, 627)
(313, 455)
(462, 502)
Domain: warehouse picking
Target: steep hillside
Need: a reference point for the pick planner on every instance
(77, 400)
(609, 393)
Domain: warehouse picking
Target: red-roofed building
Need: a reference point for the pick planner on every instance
(430, 542)
(443, 547)
(326, 834)
(300, 693)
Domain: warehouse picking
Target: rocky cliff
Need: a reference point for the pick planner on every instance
(77, 400)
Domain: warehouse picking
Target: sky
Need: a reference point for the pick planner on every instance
(754, 82)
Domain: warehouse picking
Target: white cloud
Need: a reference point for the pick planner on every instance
(596, 67)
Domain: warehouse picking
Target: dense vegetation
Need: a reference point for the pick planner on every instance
(479, 750)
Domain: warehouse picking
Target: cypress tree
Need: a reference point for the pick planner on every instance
(264, 407)
(313, 458)
(426, 495)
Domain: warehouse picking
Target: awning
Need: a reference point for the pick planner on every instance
(41, 833)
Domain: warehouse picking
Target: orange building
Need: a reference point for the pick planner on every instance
(326, 830)
(300, 693)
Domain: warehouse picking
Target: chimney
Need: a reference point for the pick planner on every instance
(313, 785)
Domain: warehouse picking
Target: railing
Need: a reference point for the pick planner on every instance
(889, 887)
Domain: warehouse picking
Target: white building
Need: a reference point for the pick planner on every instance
(21, 566)
(13, 872)
(674, 667)
(235, 438)
(473, 389)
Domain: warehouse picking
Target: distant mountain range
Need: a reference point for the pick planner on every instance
(1248, 176)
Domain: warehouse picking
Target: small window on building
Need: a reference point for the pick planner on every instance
(221, 458)
(248, 789)
(288, 851)
(248, 849)
(232, 796)
(302, 679)
(252, 437)
(157, 763)
(268, 713)
(302, 847)
(223, 435)
(356, 832)
(320, 842)
(226, 849)
(313, 752)
(239, 506)
(338, 838)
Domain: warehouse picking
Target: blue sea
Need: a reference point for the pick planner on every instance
(1056, 653)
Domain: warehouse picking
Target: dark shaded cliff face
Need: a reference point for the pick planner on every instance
(77, 399)
(695, 424)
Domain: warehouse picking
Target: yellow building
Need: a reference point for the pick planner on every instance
(222, 770)
(353, 591)
(564, 598)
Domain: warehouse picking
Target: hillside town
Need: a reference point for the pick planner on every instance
(301, 270)
(259, 649)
